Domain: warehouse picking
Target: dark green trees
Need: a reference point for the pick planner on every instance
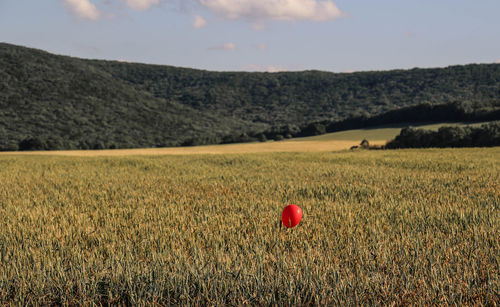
(484, 136)
(70, 103)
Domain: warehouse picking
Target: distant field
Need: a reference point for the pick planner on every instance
(395, 227)
(327, 142)
(377, 134)
(271, 146)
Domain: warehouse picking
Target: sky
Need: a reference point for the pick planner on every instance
(261, 35)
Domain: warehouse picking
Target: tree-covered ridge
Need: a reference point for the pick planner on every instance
(304, 97)
(422, 113)
(60, 102)
(67, 103)
(487, 135)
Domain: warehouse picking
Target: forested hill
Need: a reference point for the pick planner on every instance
(303, 97)
(62, 102)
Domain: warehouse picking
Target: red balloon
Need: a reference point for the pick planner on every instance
(291, 216)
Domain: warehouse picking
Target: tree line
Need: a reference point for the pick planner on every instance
(487, 135)
(424, 113)
(49, 101)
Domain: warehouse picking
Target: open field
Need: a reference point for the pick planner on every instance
(378, 134)
(328, 142)
(267, 147)
(379, 227)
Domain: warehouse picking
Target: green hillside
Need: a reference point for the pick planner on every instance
(304, 97)
(70, 103)
(57, 102)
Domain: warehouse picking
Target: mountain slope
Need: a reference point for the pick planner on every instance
(59, 102)
(303, 97)
(70, 103)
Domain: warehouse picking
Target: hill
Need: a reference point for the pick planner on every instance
(59, 102)
(69, 103)
(304, 97)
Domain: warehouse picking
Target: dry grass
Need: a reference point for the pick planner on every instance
(379, 227)
(284, 146)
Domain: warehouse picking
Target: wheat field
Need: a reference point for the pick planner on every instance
(380, 227)
(239, 148)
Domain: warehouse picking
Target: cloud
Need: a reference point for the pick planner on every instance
(226, 46)
(257, 12)
(199, 22)
(261, 47)
(260, 68)
(276, 69)
(82, 9)
(141, 5)
(284, 10)
(497, 61)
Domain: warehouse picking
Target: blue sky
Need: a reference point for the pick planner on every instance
(261, 35)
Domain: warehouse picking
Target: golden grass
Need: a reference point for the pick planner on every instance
(283, 146)
(379, 228)
(378, 134)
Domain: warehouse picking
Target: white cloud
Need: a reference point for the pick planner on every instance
(257, 12)
(141, 5)
(276, 68)
(261, 47)
(497, 61)
(260, 68)
(82, 9)
(199, 22)
(226, 46)
(286, 10)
